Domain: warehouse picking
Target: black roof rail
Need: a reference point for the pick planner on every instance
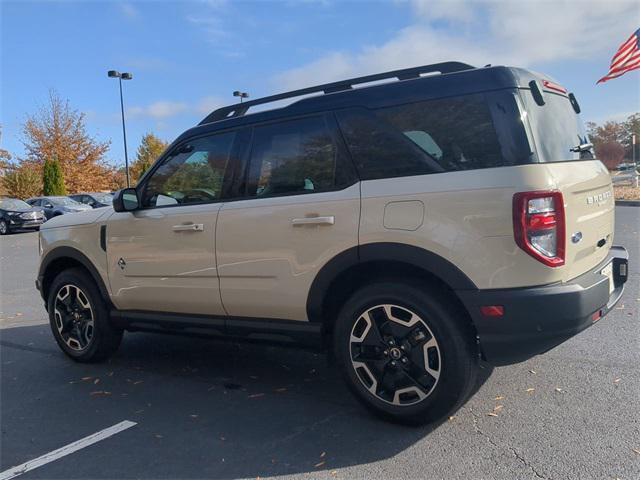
(239, 109)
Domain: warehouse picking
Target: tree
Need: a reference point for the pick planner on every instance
(57, 131)
(5, 158)
(612, 140)
(22, 181)
(52, 178)
(151, 147)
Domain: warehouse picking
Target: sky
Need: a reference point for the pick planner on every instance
(187, 57)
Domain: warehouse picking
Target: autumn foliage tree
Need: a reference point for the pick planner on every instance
(151, 147)
(22, 181)
(612, 140)
(57, 131)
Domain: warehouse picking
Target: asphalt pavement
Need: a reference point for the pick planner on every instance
(209, 409)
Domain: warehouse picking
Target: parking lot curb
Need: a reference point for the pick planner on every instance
(628, 203)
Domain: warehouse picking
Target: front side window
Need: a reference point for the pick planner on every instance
(192, 173)
(292, 157)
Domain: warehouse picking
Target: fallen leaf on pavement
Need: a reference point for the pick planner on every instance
(617, 380)
(636, 450)
(529, 390)
(497, 408)
(499, 397)
(491, 414)
(452, 417)
(533, 372)
(100, 392)
(559, 390)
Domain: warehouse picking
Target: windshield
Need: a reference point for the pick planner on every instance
(105, 198)
(66, 201)
(557, 129)
(13, 204)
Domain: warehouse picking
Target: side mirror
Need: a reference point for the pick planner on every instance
(126, 200)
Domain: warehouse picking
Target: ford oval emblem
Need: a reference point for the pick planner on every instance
(576, 237)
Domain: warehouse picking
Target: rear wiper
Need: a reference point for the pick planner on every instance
(584, 147)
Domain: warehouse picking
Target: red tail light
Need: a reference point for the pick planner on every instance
(539, 226)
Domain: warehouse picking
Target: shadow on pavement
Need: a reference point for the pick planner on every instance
(204, 409)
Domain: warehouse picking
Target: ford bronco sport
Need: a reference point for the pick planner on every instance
(438, 217)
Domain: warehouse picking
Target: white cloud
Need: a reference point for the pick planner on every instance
(523, 33)
(165, 109)
(159, 109)
(128, 10)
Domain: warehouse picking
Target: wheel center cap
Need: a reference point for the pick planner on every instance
(76, 316)
(395, 353)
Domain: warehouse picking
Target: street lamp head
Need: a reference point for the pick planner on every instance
(126, 76)
(113, 74)
(240, 94)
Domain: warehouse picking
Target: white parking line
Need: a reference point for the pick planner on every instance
(66, 450)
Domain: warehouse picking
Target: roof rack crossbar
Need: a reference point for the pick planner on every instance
(240, 109)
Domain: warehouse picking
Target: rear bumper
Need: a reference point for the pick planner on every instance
(539, 318)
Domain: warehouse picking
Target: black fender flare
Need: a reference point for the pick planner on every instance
(74, 254)
(425, 260)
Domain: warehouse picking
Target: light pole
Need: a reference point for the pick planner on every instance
(120, 77)
(633, 147)
(240, 94)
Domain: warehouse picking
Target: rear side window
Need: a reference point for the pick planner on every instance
(292, 157)
(425, 137)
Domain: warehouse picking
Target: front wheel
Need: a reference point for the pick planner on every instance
(79, 318)
(4, 228)
(406, 352)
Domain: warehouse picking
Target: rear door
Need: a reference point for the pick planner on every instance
(299, 207)
(162, 257)
(585, 182)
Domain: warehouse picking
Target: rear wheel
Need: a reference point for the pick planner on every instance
(405, 352)
(79, 318)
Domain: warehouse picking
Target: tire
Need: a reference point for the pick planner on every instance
(79, 318)
(4, 228)
(425, 333)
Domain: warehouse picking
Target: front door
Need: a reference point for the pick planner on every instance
(300, 208)
(162, 256)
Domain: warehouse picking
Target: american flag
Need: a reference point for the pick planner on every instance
(627, 58)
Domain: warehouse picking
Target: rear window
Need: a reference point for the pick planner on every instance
(556, 128)
(442, 135)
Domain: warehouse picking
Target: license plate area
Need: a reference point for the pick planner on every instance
(607, 271)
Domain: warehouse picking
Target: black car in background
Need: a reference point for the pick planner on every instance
(94, 200)
(18, 215)
(54, 206)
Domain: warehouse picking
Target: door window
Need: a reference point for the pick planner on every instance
(193, 173)
(292, 157)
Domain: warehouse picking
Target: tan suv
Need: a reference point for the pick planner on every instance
(442, 216)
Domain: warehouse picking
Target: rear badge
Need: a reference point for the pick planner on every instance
(598, 199)
(576, 237)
